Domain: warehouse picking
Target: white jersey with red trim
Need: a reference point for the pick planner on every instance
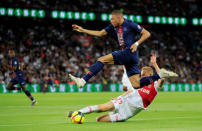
(148, 93)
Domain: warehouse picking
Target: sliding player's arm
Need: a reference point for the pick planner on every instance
(90, 32)
(155, 65)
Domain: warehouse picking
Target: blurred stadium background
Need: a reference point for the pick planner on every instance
(40, 32)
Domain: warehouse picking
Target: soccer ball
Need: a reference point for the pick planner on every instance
(77, 117)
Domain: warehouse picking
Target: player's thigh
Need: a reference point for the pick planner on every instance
(103, 118)
(135, 80)
(10, 84)
(109, 106)
(107, 59)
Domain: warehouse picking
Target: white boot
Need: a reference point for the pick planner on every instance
(167, 74)
(80, 82)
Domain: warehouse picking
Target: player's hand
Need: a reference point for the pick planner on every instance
(133, 47)
(153, 59)
(77, 28)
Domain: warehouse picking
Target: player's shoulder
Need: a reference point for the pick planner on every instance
(130, 21)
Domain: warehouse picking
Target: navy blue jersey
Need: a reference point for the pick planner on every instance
(15, 62)
(125, 33)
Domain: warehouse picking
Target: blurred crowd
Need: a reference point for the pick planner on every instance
(63, 51)
(190, 8)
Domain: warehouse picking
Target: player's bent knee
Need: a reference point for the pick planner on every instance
(101, 59)
(125, 88)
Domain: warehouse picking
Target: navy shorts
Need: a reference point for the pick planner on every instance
(18, 80)
(49, 82)
(129, 59)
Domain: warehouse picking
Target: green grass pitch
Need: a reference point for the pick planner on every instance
(170, 111)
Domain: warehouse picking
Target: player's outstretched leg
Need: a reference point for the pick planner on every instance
(28, 94)
(162, 74)
(96, 108)
(94, 69)
(11, 86)
(148, 80)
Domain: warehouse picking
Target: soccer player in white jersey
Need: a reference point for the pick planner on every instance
(131, 102)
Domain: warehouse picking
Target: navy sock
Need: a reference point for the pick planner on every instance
(148, 80)
(29, 95)
(94, 69)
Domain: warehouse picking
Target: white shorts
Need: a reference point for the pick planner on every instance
(126, 106)
(125, 80)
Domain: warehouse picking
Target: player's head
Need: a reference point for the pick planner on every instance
(47, 70)
(11, 53)
(116, 18)
(146, 71)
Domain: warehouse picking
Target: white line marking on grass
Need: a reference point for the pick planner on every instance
(171, 118)
(68, 122)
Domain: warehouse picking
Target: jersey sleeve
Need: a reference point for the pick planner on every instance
(109, 29)
(136, 27)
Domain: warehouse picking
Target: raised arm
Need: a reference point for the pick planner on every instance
(144, 35)
(155, 65)
(90, 32)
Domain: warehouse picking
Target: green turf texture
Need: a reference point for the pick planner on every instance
(170, 111)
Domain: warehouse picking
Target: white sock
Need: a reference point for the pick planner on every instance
(89, 109)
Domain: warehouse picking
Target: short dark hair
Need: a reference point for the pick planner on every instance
(117, 12)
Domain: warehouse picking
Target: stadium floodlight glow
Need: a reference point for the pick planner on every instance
(77, 15)
(26, 13)
(54, 14)
(91, 16)
(2, 11)
(176, 20)
(41, 14)
(157, 20)
(195, 21)
(84, 16)
(10, 11)
(138, 18)
(33, 13)
(62, 14)
(131, 17)
(164, 20)
(183, 21)
(170, 20)
(70, 15)
(104, 17)
(150, 19)
(18, 12)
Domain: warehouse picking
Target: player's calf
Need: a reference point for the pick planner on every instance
(103, 118)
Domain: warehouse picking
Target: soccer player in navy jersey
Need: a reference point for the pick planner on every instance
(47, 80)
(19, 76)
(126, 31)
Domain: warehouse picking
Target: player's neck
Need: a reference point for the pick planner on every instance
(122, 20)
